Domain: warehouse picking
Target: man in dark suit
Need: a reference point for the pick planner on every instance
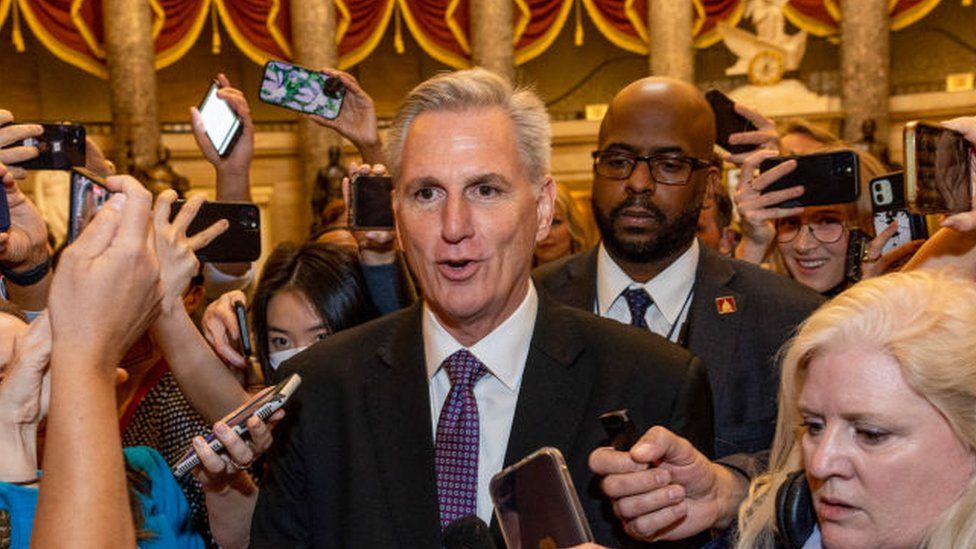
(651, 176)
(400, 423)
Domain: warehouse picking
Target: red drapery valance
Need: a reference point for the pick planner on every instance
(73, 30)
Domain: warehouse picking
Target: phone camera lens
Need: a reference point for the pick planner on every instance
(249, 218)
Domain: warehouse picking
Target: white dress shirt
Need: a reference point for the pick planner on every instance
(503, 352)
(671, 291)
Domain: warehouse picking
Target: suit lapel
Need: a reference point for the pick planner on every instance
(716, 315)
(398, 407)
(554, 392)
(577, 288)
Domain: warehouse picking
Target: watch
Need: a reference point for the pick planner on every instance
(30, 276)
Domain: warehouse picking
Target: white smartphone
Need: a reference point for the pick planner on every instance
(222, 124)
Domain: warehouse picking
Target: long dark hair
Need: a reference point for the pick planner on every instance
(328, 275)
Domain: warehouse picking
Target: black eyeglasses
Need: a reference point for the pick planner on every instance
(666, 169)
(825, 230)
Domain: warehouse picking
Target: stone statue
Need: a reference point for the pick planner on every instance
(768, 54)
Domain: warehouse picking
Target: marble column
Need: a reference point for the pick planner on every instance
(313, 31)
(132, 81)
(864, 66)
(671, 46)
(491, 36)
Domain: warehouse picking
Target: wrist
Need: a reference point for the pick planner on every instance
(372, 151)
(731, 489)
(18, 453)
(233, 185)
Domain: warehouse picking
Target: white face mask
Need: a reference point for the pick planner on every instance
(278, 358)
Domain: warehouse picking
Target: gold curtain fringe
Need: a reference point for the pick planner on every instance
(215, 34)
(578, 36)
(17, 36)
(397, 30)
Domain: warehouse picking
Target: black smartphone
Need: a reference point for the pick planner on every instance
(536, 503)
(4, 212)
(222, 124)
(856, 244)
(828, 178)
(888, 205)
(241, 242)
(301, 89)
(371, 203)
(87, 195)
(727, 121)
(60, 147)
(620, 429)
(241, 314)
(264, 403)
(937, 164)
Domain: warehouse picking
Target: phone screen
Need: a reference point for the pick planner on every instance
(220, 121)
(371, 206)
(87, 197)
(938, 170)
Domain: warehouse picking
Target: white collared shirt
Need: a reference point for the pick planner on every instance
(671, 291)
(503, 352)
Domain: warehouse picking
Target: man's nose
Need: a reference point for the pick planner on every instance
(640, 180)
(456, 222)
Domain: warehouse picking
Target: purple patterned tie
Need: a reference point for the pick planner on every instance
(456, 447)
(638, 300)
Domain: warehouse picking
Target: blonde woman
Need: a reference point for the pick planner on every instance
(571, 232)
(876, 428)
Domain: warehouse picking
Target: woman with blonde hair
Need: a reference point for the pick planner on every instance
(876, 429)
(571, 232)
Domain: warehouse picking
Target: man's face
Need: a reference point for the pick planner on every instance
(468, 217)
(641, 220)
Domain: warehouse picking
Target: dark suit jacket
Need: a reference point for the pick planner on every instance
(354, 464)
(738, 348)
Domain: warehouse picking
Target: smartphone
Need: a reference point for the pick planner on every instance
(241, 242)
(4, 212)
(370, 203)
(828, 178)
(264, 403)
(888, 205)
(620, 429)
(87, 195)
(301, 89)
(937, 163)
(241, 315)
(857, 241)
(535, 503)
(60, 147)
(222, 124)
(727, 121)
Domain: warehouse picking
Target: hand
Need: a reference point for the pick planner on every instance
(375, 247)
(757, 210)
(236, 165)
(876, 263)
(357, 118)
(25, 391)
(10, 134)
(220, 327)
(95, 159)
(175, 249)
(764, 136)
(25, 245)
(666, 489)
(106, 290)
(221, 472)
(965, 221)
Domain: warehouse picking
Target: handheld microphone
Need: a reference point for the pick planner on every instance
(468, 532)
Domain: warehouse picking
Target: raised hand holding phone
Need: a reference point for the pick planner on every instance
(377, 246)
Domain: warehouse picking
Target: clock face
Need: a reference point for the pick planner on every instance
(766, 68)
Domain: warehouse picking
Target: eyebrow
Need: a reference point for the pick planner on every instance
(319, 326)
(851, 417)
(483, 178)
(672, 149)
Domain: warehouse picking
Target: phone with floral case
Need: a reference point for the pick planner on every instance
(301, 89)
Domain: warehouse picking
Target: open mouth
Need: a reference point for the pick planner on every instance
(457, 269)
(811, 264)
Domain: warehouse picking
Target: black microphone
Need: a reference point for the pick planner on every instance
(468, 532)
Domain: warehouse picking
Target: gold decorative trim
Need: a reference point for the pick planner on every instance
(68, 55)
(432, 49)
(367, 47)
(541, 44)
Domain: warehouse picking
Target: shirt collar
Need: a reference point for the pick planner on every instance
(669, 289)
(510, 339)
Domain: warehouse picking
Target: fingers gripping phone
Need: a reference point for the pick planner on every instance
(888, 205)
(4, 212)
(370, 203)
(88, 195)
(827, 178)
(937, 165)
(241, 242)
(301, 89)
(728, 121)
(60, 147)
(221, 123)
(536, 503)
(263, 404)
(245, 334)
